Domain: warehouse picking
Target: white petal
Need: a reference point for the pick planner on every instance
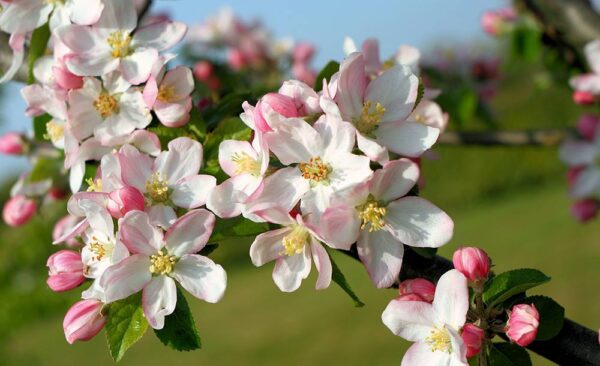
(193, 191)
(284, 188)
(395, 180)
(138, 235)
(162, 215)
(160, 36)
(268, 246)
(159, 299)
(190, 232)
(126, 277)
(295, 141)
(289, 271)
(396, 89)
(382, 254)
(420, 354)
(417, 222)
(136, 167)
(201, 277)
(576, 153)
(411, 320)
(323, 265)
(407, 138)
(451, 301)
(182, 160)
(136, 68)
(372, 149)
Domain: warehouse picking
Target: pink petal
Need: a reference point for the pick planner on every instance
(126, 277)
(159, 299)
(138, 235)
(190, 233)
(382, 255)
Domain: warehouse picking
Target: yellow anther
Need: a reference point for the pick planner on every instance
(439, 340)
(94, 186)
(372, 214)
(119, 42)
(294, 242)
(158, 187)
(106, 105)
(420, 118)
(162, 263)
(315, 170)
(166, 94)
(244, 163)
(98, 249)
(369, 118)
(55, 131)
(388, 64)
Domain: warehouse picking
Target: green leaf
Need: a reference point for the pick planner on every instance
(510, 283)
(526, 43)
(331, 68)
(235, 228)
(552, 316)
(338, 277)
(180, 331)
(37, 48)
(39, 126)
(425, 252)
(209, 248)
(125, 325)
(508, 354)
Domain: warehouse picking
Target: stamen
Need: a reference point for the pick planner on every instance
(372, 213)
(295, 241)
(166, 94)
(55, 131)
(119, 42)
(439, 340)
(244, 163)
(162, 263)
(315, 170)
(369, 118)
(106, 105)
(94, 186)
(158, 187)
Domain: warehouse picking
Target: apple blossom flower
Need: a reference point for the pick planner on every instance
(584, 210)
(522, 325)
(323, 159)
(435, 328)
(583, 154)
(109, 109)
(168, 94)
(157, 260)
(110, 44)
(306, 100)
(64, 226)
(588, 85)
(473, 337)
(84, 320)
(271, 110)
(65, 270)
(124, 200)
(292, 247)
(378, 109)
(172, 180)
(18, 210)
(422, 288)
(472, 262)
(247, 166)
(382, 219)
(12, 143)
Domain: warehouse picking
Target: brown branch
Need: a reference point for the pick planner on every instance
(544, 137)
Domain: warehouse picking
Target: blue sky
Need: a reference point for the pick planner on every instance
(421, 23)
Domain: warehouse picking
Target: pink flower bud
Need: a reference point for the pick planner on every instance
(588, 125)
(65, 270)
(271, 103)
(584, 210)
(419, 286)
(124, 200)
(472, 336)
(573, 173)
(18, 210)
(203, 70)
(522, 325)
(583, 98)
(236, 60)
(472, 262)
(12, 143)
(410, 297)
(66, 79)
(303, 52)
(83, 320)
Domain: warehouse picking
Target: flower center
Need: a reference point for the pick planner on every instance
(55, 131)
(119, 42)
(388, 64)
(315, 170)
(158, 187)
(372, 213)
(162, 263)
(106, 105)
(439, 340)
(369, 118)
(295, 241)
(94, 186)
(166, 94)
(244, 163)
(99, 249)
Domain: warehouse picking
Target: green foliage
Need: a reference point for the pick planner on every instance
(39, 126)
(125, 325)
(237, 227)
(508, 284)
(180, 331)
(326, 72)
(37, 47)
(508, 354)
(526, 42)
(338, 277)
(552, 316)
(425, 252)
(45, 168)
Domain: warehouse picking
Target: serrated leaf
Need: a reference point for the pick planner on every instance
(508, 354)
(338, 277)
(510, 283)
(180, 332)
(331, 68)
(37, 48)
(125, 325)
(552, 316)
(235, 228)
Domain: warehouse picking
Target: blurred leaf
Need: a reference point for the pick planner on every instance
(510, 283)
(125, 325)
(180, 331)
(331, 68)
(39, 126)
(467, 105)
(45, 168)
(37, 48)
(552, 316)
(229, 106)
(338, 277)
(526, 43)
(425, 252)
(508, 354)
(236, 227)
